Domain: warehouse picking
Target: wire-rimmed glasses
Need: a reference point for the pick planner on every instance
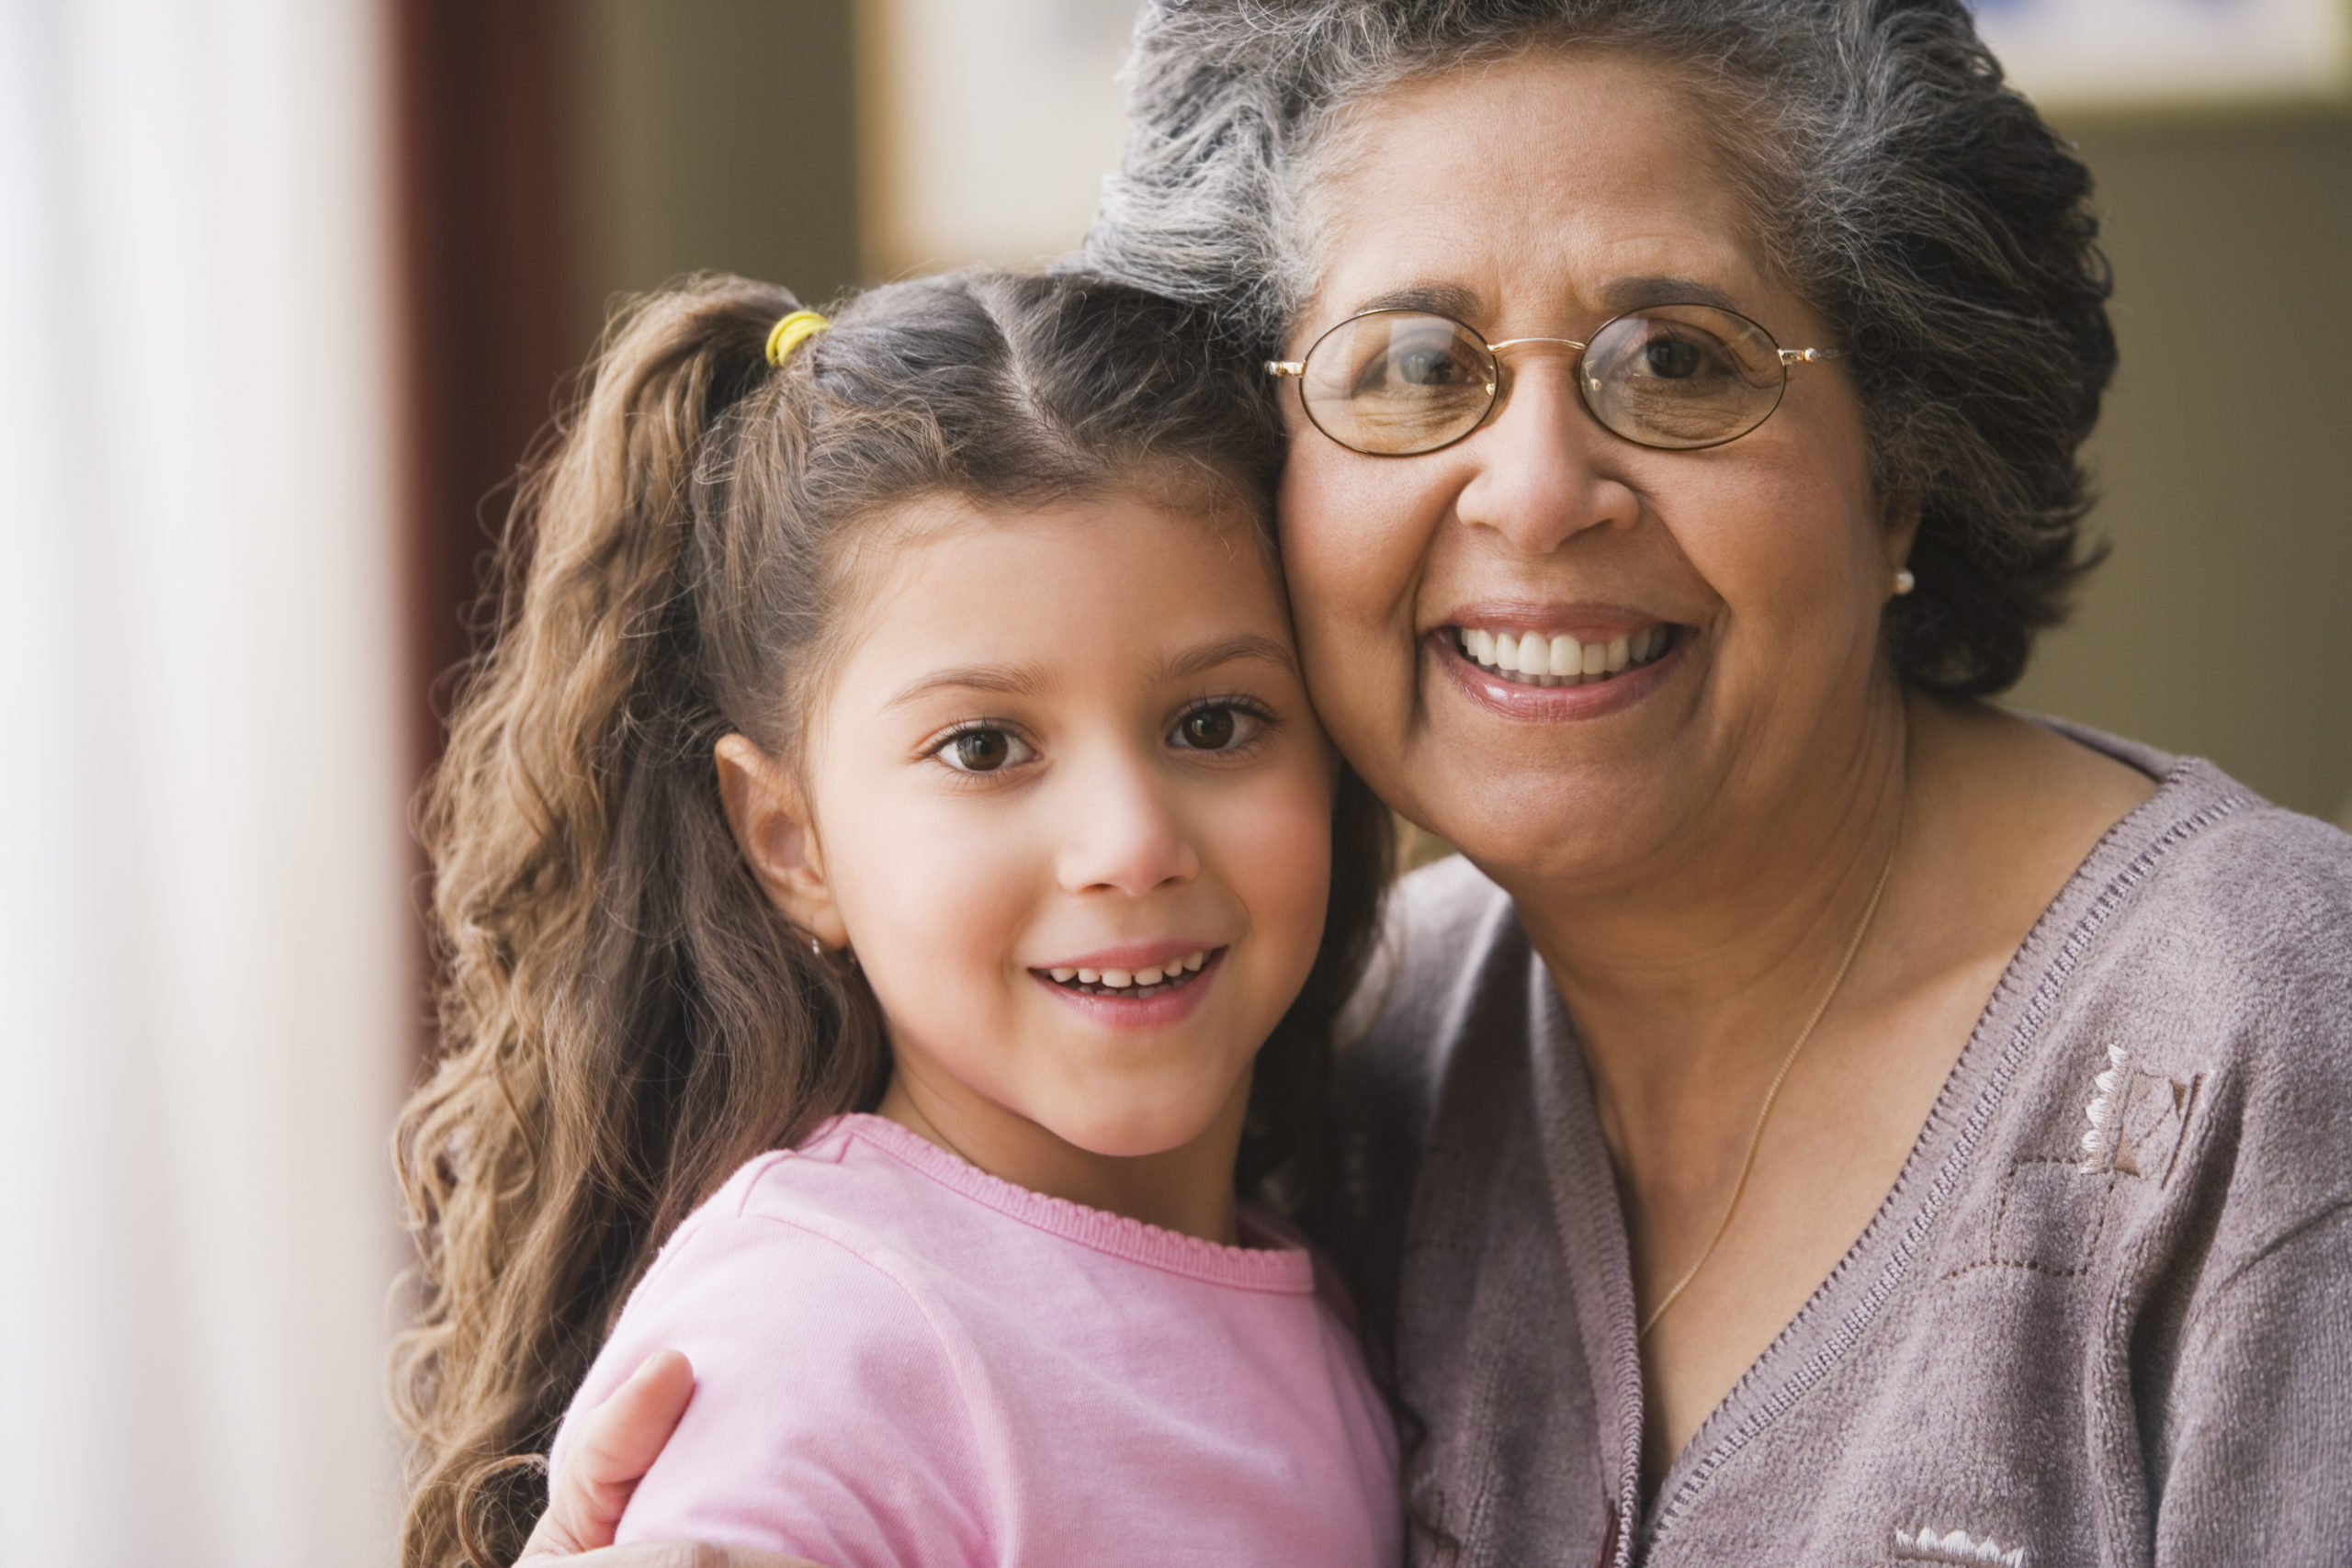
(1395, 383)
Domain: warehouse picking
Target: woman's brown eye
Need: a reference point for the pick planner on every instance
(1674, 359)
(1208, 729)
(981, 751)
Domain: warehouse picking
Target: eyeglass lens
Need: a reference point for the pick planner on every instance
(1397, 382)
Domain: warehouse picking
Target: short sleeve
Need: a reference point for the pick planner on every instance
(827, 1420)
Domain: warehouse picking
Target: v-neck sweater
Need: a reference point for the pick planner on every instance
(2103, 1316)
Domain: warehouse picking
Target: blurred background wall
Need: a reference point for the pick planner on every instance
(290, 284)
(819, 142)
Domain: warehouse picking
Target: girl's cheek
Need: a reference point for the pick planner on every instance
(1283, 863)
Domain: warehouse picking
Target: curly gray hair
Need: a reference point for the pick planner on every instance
(1896, 181)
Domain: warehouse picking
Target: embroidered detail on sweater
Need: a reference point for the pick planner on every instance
(2138, 1119)
(1924, 1545)
(2099, 1138)
(2153, 1122)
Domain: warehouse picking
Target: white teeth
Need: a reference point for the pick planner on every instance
(1538, 660)
(1142, 982)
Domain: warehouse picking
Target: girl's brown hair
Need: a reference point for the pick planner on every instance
(625, 1018)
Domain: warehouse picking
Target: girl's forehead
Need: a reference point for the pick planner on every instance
(1129, 571)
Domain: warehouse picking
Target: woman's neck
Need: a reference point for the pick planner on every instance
(1692, 975)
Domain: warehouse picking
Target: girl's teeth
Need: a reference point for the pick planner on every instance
(1540, 660)
(1144, 981)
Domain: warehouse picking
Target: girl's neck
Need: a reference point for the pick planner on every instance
(1188, 1190)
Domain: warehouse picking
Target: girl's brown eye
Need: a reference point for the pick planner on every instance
(980, 750)
(1208, 729)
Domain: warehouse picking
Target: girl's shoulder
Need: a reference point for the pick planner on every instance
(831, 1393)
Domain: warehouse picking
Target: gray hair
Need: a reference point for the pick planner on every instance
(1894, 179)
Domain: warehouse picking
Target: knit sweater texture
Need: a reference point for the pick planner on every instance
(2104, 1316)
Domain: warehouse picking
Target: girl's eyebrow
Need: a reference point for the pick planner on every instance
(1227, 650)
(1013, 680)
(1028, 679)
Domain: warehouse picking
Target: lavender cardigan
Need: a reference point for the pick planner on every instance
(2105, 1315)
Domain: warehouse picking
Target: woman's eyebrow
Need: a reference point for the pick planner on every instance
(1227, 650)
(1616, 296)
(1439, 299)
(1623, 294)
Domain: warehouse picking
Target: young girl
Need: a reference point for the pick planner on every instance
(888, 864)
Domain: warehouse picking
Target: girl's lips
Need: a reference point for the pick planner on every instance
(1167, 1002)
(1512, 699)
(1133, 955)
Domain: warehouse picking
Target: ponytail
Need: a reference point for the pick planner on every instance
(625, 1018)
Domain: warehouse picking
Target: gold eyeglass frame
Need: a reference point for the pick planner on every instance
(1498, 391)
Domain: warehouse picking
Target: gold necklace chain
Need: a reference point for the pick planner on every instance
(1764, 1111)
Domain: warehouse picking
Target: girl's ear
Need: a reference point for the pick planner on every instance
(771, 820)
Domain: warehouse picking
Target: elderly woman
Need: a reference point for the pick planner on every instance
(1822, 1117)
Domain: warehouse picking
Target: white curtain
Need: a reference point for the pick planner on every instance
(202, 898)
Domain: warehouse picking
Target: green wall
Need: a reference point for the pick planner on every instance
(713, 135)
(2222, 623)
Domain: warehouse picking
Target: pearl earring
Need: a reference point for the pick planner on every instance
(816, 947)
(1904, 581)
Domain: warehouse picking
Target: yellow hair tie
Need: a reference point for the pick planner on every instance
(792, 331)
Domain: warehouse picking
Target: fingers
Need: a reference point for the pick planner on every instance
(608, 1456)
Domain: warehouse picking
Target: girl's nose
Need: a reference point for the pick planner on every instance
(1546, 469)
(1124, 833)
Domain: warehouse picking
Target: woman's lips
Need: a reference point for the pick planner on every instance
(1642, 657)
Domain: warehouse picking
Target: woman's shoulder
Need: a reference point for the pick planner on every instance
(1444, 926)
(2238, 911)
(2199, 976)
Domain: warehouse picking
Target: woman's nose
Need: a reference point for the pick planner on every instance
(1544, 471)
(1123, 832)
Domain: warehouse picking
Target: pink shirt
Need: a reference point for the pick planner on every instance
(901, 1360)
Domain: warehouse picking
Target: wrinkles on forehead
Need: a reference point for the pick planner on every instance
(1432, 193)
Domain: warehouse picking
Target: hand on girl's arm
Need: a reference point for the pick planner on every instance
(613, 1451)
